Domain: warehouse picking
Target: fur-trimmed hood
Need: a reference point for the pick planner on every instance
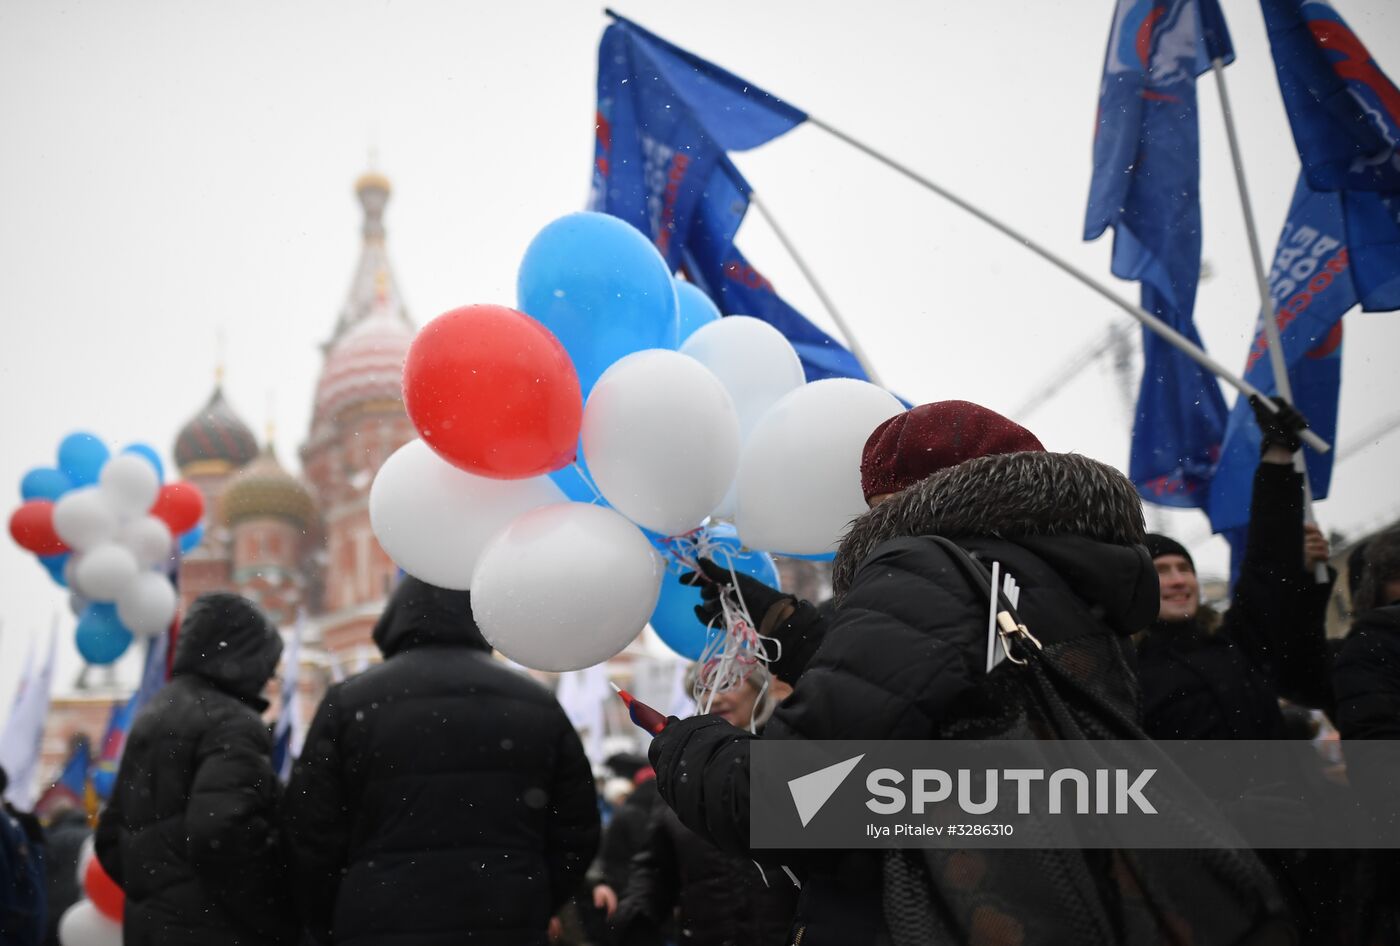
(1009, 496)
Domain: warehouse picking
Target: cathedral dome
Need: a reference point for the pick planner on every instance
(364, 367)
(215, 439)
(264, 490)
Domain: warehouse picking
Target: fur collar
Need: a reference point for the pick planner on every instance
(1007, 496)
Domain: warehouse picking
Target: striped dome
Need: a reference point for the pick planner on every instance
(264, 490)
(215, 436)
(364, 366)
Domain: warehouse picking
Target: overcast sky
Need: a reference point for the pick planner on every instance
(173, 169)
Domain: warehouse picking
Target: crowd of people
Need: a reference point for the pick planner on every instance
(443, 797)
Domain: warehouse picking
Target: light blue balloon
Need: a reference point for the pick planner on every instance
(674, 618)
(44, 482)
(55, 564)
(696, 309)
(149, 454)
(820, 557)
(102, 638)
(601, 287)
(191, 539)
(81, 457)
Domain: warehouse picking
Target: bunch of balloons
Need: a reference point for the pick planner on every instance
(96, 920)
(106, 528)
(576, 452)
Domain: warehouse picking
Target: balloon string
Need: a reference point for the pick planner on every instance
(588, 481)
(731, 655)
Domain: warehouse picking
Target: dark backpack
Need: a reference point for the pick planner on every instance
(1063, 689)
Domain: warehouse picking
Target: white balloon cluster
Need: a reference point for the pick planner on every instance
(120, 551)
(726, 427)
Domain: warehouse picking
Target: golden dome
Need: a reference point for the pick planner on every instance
(372, 179)
(264, 490)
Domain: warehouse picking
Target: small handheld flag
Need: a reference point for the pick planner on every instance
(643, 715)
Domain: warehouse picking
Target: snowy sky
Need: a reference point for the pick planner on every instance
(174, 169)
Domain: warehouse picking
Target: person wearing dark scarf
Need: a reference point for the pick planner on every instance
(902, 655)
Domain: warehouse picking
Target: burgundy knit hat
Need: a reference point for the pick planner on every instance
(932, 437)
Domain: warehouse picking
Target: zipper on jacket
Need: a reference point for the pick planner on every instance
(797, 940)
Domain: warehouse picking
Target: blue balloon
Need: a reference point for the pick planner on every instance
(601, 287)
(819, 557)
(149, 454)
(189, 540)
(696, 309)
(81, 457)
(102, 638)
(674, 618)
(55, 565)
(44, 482)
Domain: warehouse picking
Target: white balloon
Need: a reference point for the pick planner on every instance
(84, 925)
(752, 359)
(566, 586)
(130, 484)
(147, 538)
(104, 572)
(147, 604)
(84, 518)
(799, 478)
(661, 439)
(433, 519)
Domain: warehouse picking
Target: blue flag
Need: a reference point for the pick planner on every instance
(1340, 246)
(665, 124)
(1345, 113)
(1145, 186)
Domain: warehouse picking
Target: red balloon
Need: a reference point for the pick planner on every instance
(493, 392)
(31, 527)
(103, 891)
(180, 505)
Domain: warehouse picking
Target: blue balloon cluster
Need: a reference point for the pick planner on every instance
(674, 618)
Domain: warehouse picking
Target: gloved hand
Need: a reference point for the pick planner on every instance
(1278, 429)
(710, 579)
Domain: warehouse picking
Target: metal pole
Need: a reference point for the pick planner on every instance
(1266, 299)
(1171, 335)
(811, 278)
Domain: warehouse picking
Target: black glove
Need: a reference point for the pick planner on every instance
(1279, 429)
(711, 578)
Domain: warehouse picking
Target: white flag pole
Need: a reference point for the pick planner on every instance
(1266, 300)
(1147, 319)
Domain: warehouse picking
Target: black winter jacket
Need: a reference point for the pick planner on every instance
(64, 840)
(722, 899)
(190, 833)
(441, 797)
(626, 835)
(1225, 684)
(903, 657)
(1367, 681)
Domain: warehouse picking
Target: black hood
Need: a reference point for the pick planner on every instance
(226, 640)
(419, 613)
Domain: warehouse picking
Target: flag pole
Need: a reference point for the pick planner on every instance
(856, 349)
(1178, 341)
(1282, 384)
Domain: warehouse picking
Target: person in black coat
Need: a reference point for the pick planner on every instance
(1367, 679)
(1210, 677)
(441, 797)
(190, 833)
(718, 899)
(64, 838)
(903, 656)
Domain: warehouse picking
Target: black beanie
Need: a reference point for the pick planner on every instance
(1159, 545)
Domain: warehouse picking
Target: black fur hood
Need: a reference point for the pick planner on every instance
(1009, 496)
